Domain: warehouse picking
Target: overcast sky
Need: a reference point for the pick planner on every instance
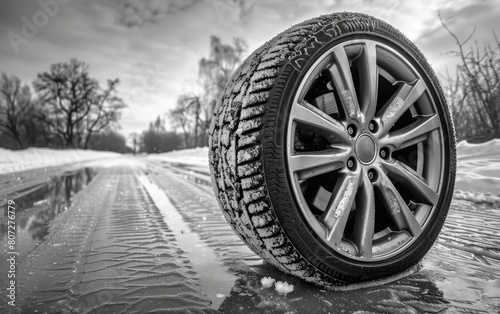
(154, 46)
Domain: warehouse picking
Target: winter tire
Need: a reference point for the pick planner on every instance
(332, 151)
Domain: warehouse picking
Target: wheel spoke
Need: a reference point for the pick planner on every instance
(340, 73)
(406, 96)
(369, 81)
(337, 212)
(319, 122)
(365, 219)
(412, 180)
(412, 134)
(311, 164)
(397, 208)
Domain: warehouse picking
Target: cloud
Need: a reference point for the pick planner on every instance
(137, 13)
(461, 17)
(130, 39)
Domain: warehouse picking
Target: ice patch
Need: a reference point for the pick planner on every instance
(345, 199)
(349, 102)
(267, 282)
(394, 204)
(393, 109)
(283, 287)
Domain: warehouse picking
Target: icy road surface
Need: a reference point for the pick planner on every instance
(143, 235)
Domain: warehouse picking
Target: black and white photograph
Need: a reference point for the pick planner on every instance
(250, 156)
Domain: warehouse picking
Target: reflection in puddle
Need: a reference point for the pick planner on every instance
(37, 209)
(414, 294)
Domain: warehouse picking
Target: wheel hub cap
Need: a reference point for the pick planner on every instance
(365, 149)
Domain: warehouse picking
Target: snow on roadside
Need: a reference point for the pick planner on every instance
(193, 157)
(478, 172)
(31, 158)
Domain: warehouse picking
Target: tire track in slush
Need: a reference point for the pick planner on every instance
(199, 207)
(111, 252)
(214, 278)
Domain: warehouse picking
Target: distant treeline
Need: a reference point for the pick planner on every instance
(65, 108)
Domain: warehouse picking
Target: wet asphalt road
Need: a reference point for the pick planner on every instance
(140, 237)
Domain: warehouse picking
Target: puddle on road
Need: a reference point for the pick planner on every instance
(215, 280)
(35, 210)
(429, 290)
(414, 294)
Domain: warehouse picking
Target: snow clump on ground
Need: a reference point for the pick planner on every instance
(283, 287)
(267, 282)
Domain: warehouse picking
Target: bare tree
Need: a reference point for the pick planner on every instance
(15, 105)
(75, 102)
(186, 116)
(474, 90)
(193, 112)
(38, 127)
(135, 139)
(216, 70)
(105, 111)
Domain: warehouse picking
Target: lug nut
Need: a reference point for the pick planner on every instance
(350, 164)
(370, 175)
(372, 126)
(351, 130)
(383, 153)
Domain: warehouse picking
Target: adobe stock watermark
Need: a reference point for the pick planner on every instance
(152, 80)
(31, 27)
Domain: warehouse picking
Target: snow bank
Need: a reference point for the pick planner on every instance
(193, 157)
(478, 171)
(30, 158)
